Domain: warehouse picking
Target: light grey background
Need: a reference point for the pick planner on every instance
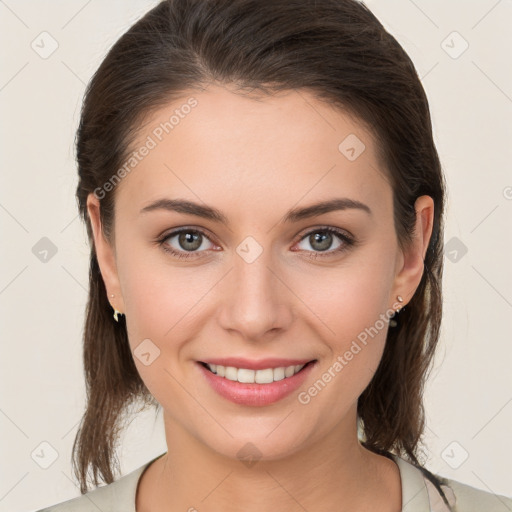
(469, 395)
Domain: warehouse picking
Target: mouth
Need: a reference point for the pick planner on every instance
(253, 376)
(264, 384)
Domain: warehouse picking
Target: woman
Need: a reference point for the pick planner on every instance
(264, 202)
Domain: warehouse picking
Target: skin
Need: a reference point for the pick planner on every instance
(255, 160)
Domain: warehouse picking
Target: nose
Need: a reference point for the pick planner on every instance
(258, 304)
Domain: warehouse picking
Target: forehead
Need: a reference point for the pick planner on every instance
(216, 145)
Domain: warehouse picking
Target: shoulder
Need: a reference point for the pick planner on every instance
(419, 494)
(118, 496)
(466, 498)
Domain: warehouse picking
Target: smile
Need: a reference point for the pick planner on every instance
(266, 383)
(248, 376)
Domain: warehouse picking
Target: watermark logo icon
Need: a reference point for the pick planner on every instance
(454, 455)
(455, 249)
(249, 249)
(44, 455)
(351, 147)
(454, 45)
(146, 352)
(249, 454)
(44, 45)
(44, 250)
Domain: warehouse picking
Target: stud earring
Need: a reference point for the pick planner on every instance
(392, 321)
(116, 312)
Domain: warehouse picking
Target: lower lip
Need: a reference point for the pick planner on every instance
(255, 394)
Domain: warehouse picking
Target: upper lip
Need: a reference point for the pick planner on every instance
(261, 364)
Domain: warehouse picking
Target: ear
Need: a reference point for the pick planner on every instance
(105, 254)
(411, 263)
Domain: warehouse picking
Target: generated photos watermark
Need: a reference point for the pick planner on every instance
(304, 397)
(157, 135)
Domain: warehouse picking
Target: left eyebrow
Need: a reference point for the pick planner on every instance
(294, 215)
(325, 207)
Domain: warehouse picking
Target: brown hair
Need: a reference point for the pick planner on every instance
(336, 49)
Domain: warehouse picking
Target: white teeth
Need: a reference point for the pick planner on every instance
(279, 373)
(264, 376)
(246, 376)
(289, 371)
(231, 373)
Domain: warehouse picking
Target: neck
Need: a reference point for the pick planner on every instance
(335, 473)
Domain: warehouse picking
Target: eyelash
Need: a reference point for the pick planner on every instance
(348, 242)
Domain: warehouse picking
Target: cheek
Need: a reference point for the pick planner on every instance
(159, 298)
(348, 301)
(160, 320)
(163, 307)
(351, 311)
(354, 353)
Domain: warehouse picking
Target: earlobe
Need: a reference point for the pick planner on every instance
(104, 253)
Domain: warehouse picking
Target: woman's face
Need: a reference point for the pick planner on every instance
(265, 286)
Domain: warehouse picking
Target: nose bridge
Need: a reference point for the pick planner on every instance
(257, 300)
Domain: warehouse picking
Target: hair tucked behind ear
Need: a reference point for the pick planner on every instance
(336, 49)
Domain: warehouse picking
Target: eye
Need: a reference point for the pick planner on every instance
(188, 242)
(321, 239)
